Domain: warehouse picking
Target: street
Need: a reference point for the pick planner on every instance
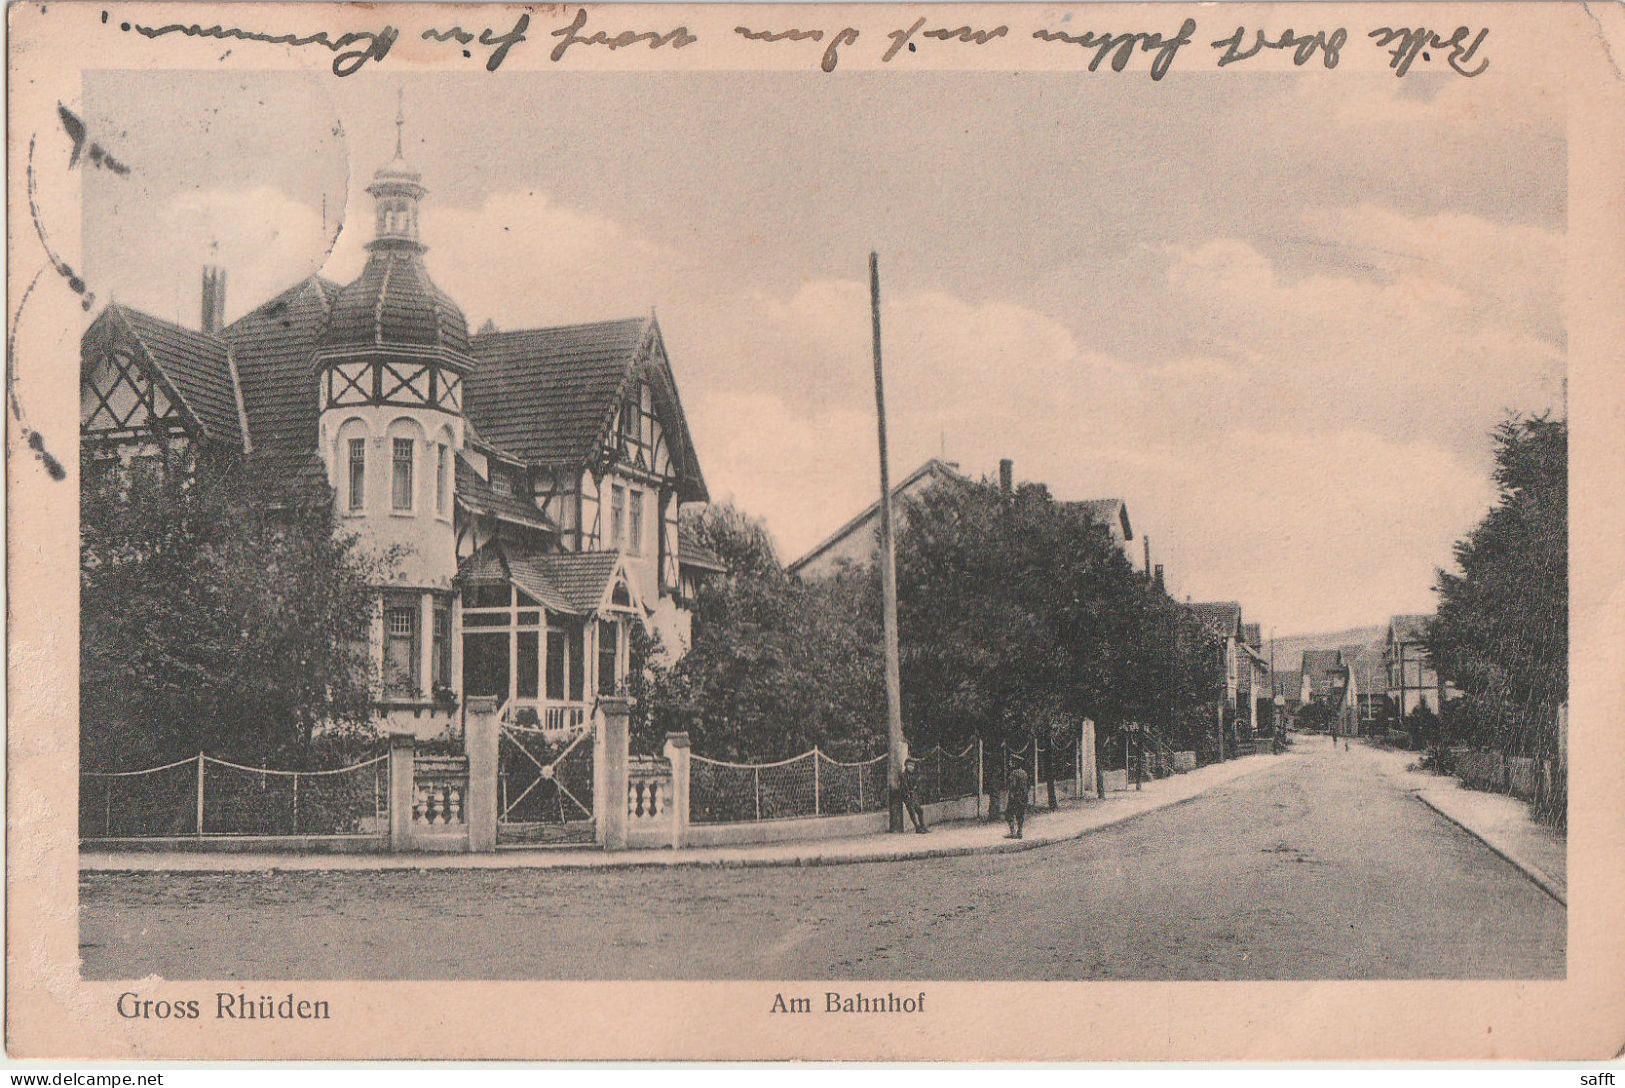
(1316, 868)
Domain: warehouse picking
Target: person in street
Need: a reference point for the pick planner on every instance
(911, 795)
(1015, 807)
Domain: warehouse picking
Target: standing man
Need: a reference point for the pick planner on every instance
(911, 796)
(1016, 804)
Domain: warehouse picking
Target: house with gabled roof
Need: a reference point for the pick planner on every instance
(533, 479)
(856, 543)
(1411, 679)
(1329, 681)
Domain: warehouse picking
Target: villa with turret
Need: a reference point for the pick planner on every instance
(532, 479)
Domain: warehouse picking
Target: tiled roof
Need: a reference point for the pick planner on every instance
(490, 564)
(195, 366)
(393, 301)
(1221, 616)
(568, 582)
(292, 477)
(1108, 512)
(272, 347)
(691, 553)
(547, 394)
(1409, 628)
(528, 574)
(476, 494)
(582, 577)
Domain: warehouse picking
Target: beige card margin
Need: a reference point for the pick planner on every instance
(1571, 51)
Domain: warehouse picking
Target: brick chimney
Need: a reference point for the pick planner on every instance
(214, 298)
(1156, 578)
(1006, 470)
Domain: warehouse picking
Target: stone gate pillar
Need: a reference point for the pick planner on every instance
(676, 753)
(402, 766)
(610, 757)
(482, 734)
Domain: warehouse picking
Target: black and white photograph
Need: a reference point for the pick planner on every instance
(866, 520)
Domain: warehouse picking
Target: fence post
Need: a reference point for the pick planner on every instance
(980, 779)
(677, 752)
(482, 736)
(756, 790)
(1077, 767)
(817, 807)
(200, 793)
(296, 804)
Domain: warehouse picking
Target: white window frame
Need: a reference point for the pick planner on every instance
(356, 501)
(396, 464)
(634, 521)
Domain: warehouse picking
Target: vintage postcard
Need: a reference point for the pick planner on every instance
(999, 533)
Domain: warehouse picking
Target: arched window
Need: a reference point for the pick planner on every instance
(350, 455)
(405, 438)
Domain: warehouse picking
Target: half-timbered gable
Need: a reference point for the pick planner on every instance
(145, 378)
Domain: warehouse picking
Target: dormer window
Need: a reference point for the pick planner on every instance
(501, 482)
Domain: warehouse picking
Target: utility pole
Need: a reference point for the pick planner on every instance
(888, 581)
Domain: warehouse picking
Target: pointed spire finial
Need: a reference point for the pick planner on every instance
(400, 119)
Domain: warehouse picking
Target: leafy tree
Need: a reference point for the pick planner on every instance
(741, 541)
(775, 666)
(209, 622)
(1501, 631)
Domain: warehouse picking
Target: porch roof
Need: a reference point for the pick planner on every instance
(572, 583)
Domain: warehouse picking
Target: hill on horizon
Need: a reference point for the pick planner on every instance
(1289, 648)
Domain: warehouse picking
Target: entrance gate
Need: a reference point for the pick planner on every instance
(545, 785)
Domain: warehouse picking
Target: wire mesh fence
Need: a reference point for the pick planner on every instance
(813, 784)
(158, 801)
(208, 796)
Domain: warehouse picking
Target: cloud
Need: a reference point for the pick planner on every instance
(1312, 450)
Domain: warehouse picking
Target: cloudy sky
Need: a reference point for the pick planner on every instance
(1276, 314)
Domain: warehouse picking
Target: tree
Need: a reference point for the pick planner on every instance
(1017, 612)
(775, 666)
(210, 622)
(1501, 631)
(741, 541)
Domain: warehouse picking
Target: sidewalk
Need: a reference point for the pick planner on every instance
(1501, 822)
(948, 840)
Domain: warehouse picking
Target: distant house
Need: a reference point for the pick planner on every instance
(1262, 694)
(1223, 620)
(1411, 681)
(1369, 665)
(1328, 680)
(858, 541)
(1289, 688)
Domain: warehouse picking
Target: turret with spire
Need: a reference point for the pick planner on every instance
(397, 188)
